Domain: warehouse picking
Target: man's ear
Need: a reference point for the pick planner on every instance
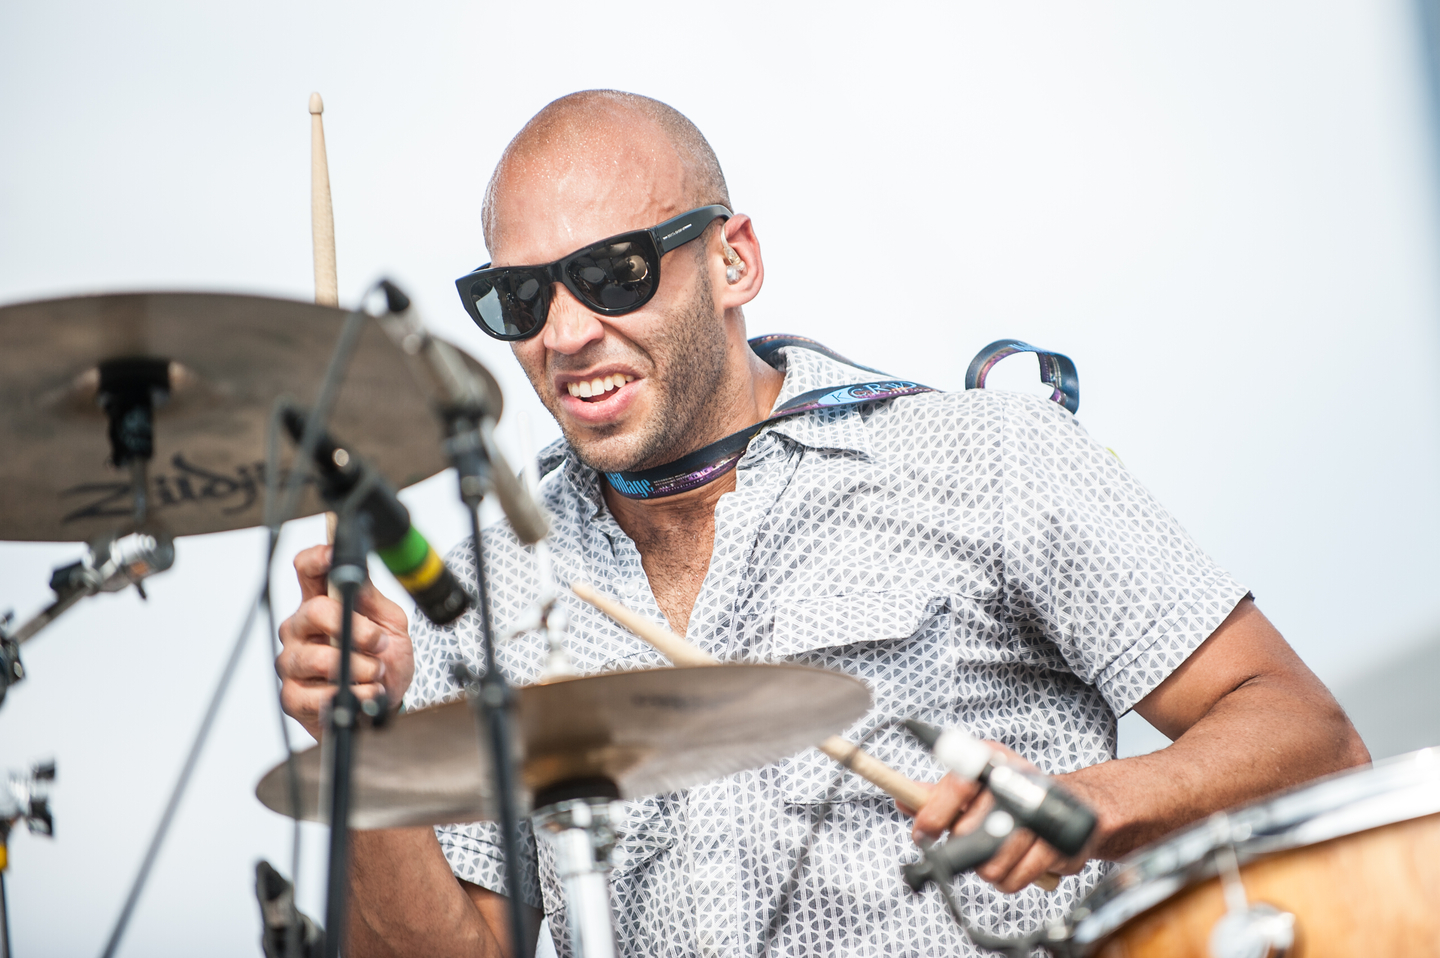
(743, 268)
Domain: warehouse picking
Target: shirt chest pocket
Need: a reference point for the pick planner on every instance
(836, 622)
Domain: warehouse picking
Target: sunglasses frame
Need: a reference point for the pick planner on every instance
(654, 243)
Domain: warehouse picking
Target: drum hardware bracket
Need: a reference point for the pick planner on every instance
(130, 390)
(1246, 930)
(11, 670)
(286, 932)
(110, 565)
(26, 798)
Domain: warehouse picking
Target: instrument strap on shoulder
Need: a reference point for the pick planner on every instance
(1056, 370)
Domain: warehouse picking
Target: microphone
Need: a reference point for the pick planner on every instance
(400, 546)
(1036, 801)
(960, 853)
(458, 390)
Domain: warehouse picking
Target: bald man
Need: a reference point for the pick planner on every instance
(974, 556)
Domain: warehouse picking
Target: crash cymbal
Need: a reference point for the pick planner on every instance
(227, 358)
(647, 731)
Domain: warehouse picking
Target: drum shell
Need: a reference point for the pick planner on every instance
(1375, 892)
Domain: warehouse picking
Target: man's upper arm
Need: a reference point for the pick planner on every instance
(495, 909)
(1244, 649)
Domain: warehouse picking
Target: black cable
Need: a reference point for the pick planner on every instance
(314, 427)
(792, 884)
(191, 760)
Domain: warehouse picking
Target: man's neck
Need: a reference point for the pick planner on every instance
(676, 534)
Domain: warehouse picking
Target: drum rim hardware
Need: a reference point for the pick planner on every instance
(1390, 791)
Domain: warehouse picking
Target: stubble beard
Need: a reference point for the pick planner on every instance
(690, 387)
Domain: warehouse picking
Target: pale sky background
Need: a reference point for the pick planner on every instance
(1224, 212)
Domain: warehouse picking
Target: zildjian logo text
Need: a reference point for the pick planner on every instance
(189, 483)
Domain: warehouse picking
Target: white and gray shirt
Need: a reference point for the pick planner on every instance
(975, 557)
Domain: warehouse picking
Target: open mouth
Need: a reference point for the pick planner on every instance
(599, 389)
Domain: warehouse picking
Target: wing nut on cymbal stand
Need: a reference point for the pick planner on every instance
(109, 566)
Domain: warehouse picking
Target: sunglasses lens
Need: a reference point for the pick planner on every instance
(614, 275)
(510, 304)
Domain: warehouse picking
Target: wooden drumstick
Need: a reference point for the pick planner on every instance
(680, 652)
(322, 213)
(322, 245)
(848, 754)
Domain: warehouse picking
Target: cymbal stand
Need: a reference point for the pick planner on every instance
(582, 832)
(348, 572)
(27, 799)
(492, 698)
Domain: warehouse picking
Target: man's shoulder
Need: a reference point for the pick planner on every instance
(943, 419)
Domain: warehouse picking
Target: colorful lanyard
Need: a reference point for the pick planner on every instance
(713, 461)
(1056, 370)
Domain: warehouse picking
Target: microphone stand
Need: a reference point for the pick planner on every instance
(347, 572)
(491, 698)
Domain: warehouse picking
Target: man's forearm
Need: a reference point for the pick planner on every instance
(405, 901)
(1268, 734)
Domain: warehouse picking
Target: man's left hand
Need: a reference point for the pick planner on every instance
(959, 808)
(1246, 718)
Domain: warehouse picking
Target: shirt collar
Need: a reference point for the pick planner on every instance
(842, 428)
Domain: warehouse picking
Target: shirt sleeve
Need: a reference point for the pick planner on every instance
(1095, 563)
(474, 850)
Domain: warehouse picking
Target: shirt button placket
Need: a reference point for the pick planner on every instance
(714, 876)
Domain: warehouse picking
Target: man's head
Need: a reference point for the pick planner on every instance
(646, 387)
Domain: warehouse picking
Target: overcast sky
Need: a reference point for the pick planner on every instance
(1224, 212)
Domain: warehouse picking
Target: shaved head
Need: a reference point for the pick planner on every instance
(632, 135)
(598, 164)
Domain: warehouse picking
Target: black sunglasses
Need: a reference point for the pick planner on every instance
(612, 277)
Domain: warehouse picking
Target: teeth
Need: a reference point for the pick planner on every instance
(597, 387)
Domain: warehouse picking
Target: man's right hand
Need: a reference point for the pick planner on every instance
(308, 663)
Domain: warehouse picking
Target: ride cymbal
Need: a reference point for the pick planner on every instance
(647, 731)
(225, 359)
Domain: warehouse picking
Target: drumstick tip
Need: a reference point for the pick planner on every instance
(317, 105)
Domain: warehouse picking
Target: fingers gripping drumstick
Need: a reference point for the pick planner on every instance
(848, 754)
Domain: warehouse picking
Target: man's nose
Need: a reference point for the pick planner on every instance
(569, 327)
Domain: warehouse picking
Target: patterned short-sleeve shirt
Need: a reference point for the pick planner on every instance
(975, 557)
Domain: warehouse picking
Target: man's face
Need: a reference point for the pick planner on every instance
(631, 391)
